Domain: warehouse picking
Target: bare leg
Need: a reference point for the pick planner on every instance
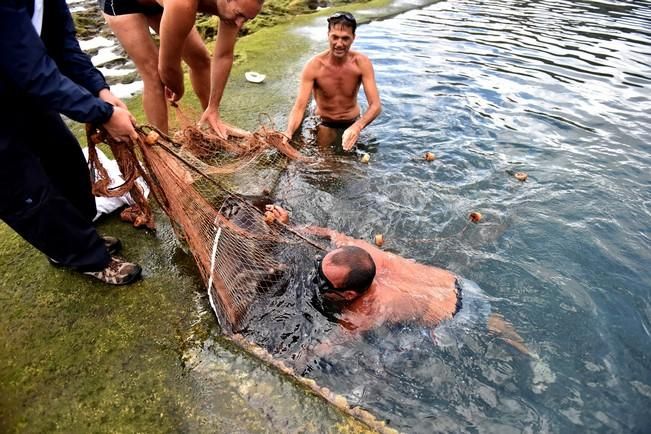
(506, 332)
(325, 136)
(132, 30)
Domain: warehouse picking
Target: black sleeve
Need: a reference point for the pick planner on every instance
(27, 68)
(73, 62)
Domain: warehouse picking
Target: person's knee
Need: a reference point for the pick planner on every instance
(148, 69)
(198, 60)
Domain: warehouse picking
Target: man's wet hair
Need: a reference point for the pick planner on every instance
(361, 265)
(342, 18)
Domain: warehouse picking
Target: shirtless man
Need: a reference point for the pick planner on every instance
(161, 69)
(367, 288)
(334, 77)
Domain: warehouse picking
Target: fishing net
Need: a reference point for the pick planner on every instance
(236, 244)
(215, 192)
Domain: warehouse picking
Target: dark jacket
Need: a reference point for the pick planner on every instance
(48, 72)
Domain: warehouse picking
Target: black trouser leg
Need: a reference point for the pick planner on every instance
(58, 223)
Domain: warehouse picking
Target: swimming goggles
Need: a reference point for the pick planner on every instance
(345, 15)
(320, 280)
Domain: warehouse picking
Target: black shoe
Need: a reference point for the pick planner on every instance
(113, 246)
(117, 272)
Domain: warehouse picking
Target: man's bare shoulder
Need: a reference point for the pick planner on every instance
(359, 57)
(315, 63)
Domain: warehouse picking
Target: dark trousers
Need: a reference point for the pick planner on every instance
(45, 190)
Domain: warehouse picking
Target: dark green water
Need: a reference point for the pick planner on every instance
(560, 90)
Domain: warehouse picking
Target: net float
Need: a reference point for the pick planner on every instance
(475, 216)
(521, 176)
(269, 217)
(152, 138)
(429, 156)
(365, 158)
(379, 240)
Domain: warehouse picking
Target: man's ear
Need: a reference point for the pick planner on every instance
(349, 294)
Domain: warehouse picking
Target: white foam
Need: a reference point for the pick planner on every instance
(96, 42)
(105, 55)
(127, 90)
(114, 72)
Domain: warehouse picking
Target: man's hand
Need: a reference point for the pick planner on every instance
(349, 138)
(120, 126)
(172, 78)
(223, 130)
(211, 117)
(107, 95)
(277, 213)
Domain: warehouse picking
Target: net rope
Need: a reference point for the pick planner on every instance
(234, 242)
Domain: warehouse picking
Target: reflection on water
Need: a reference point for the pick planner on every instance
(558, 89)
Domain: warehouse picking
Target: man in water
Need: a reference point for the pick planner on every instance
(160, 68)
(367, 288)
(334, 77)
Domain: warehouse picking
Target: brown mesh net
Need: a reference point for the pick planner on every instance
(233, 242)
(237, 248)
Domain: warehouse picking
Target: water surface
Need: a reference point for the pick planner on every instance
(560, 90)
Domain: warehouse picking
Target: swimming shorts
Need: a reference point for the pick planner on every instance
(337, 125)
(471, 316)
(124, 7)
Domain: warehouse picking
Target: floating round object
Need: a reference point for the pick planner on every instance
(365, 158)
(379, 240)
(521, 176)
(429, 156)
(254, 77)
(152, 138)
(475, 216)
(269, 217)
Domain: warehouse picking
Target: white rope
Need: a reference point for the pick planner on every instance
(213, 257)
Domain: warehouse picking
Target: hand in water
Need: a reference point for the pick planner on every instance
(278, 213)
(349, 138)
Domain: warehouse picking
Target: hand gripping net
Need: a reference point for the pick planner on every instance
(234, 247)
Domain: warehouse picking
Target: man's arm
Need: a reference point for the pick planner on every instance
(350, 136)
(76, 64)
(73, 62)
(175, 26)
(26, 67)
(222, 62)
(305, 88)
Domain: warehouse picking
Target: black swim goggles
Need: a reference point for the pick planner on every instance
(345, 15)
(322, 282)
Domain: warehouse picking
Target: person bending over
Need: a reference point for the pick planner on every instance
(160, 68)
(334, 77)
(45, 189)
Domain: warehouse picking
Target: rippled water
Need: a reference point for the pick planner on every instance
(562, 91)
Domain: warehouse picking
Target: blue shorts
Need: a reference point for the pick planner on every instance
(473, 315)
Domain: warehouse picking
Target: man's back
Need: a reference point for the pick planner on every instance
(403, 291)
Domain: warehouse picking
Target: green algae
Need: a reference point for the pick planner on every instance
(80, 356)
